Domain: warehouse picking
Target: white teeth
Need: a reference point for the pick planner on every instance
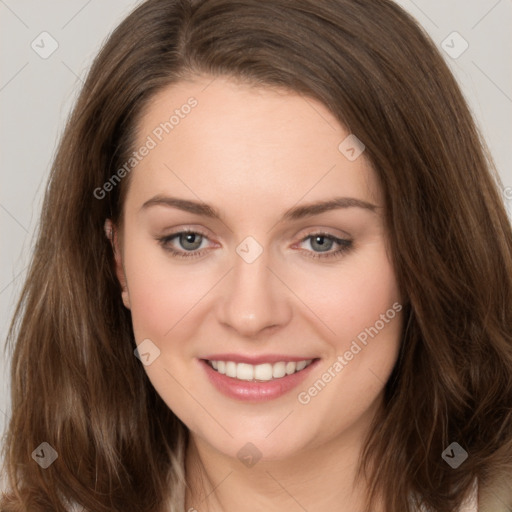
(290, 368)
(278, 370)
(301, 365)
(260, 372)
(231, 370)
(243, 371)
(263, 371)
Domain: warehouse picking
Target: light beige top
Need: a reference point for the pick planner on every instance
(471, 502)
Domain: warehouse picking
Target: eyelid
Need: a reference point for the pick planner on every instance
(318, 230)
(186, 229)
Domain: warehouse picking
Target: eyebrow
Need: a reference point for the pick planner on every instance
(294, 213)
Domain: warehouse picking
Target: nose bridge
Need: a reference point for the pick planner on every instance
(253, 299)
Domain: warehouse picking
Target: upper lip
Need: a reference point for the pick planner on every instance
(264, 358)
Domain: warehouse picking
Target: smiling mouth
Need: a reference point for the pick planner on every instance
(264, 372)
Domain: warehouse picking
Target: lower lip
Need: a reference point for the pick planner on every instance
(249, 391)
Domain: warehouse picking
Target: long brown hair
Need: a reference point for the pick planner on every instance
(75, 381)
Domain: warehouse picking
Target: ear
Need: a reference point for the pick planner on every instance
(111, 234)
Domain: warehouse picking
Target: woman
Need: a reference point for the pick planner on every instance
(273, 272)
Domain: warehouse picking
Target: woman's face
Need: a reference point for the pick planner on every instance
(287, 263)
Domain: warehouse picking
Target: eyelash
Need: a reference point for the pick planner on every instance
(345, 245)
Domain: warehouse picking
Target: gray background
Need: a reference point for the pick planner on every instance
(36, 95)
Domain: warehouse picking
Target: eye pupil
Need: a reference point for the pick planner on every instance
(193, 239)
(322, 242)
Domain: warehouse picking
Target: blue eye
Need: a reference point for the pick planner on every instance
(190, 242)
(322, 243)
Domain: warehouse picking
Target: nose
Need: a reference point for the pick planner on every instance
(253, 301)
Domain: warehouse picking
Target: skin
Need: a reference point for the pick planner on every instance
(252, 154)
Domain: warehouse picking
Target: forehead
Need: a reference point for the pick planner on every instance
(214, 137)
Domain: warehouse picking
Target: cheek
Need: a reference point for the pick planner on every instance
(362, 305)
(346, 299)
(170, 304)
(352, 297)
(161, 292)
